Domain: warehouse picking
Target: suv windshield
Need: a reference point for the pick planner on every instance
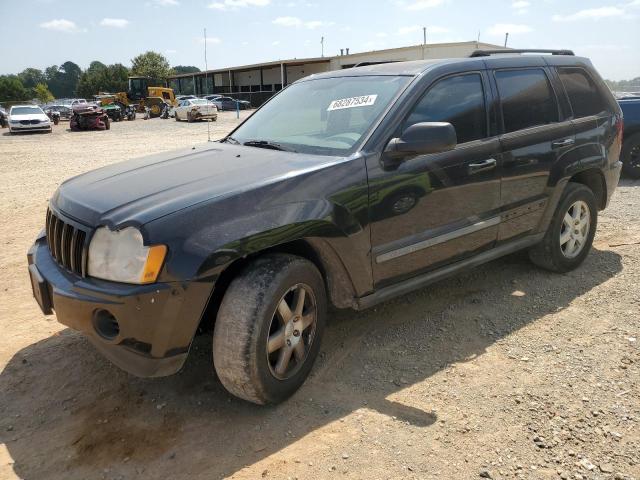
(328, 116)
(25, 110)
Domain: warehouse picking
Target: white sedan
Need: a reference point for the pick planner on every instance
(28, 118)
(195, 109)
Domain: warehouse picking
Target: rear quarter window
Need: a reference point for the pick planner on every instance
(526, 97)
(582, 91)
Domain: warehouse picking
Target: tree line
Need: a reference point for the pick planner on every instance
(69, 80)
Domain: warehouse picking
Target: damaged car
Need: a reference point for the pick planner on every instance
(193, 109)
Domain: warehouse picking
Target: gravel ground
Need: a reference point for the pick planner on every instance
(507, 371)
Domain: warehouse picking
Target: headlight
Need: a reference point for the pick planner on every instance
(14, 121)
(121, 256)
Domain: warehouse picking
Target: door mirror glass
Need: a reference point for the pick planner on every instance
(423, 138)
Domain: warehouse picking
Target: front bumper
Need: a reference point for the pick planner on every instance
(42, 127)
(155, 323)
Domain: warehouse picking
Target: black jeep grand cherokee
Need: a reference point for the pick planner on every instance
(349, 188)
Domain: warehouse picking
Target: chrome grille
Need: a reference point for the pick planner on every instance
(66, 243)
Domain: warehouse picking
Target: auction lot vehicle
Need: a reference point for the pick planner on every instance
(28, 118)
(88, 116)
(195, 109)
(631, 140)
(348, 188)
(140, 96)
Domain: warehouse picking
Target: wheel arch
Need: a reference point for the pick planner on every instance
(593, 178)
(339, 286)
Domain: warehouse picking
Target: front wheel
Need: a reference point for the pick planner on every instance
(570, 234)
(269, 327)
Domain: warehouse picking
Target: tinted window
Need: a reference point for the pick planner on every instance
(582, 91)
(458, 100)
(527, 99)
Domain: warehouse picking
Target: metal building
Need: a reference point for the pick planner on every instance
(260, 81)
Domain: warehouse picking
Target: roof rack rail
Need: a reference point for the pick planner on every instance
(486, 53)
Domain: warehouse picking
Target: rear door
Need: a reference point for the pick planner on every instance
(535, 136)
(590, 115)
(438, 208)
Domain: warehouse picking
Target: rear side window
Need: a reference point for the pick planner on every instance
(527, 99)
(458, 100)
(582, 91)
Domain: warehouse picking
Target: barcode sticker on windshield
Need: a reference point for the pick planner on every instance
(352, 102)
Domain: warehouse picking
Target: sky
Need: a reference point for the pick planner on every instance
(40, 33)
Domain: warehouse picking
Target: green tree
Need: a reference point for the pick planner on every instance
(179, 69)
(12, 89)
(31, 77)
(102, 78)
(153, 65)
(42, 93)
(63, 80)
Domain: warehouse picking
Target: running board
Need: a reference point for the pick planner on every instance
(428, 278)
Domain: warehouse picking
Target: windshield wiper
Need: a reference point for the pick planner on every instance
(267, 144)
(230, 139)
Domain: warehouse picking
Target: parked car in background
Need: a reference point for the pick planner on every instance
(228, 103)
(64, 111)
(348, 188)
(28, 118)
(195, 109)
(631, 140)
(185, 97)
(89, 116)
(4, 118)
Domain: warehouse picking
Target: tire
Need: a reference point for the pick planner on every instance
(551, 254)
(630, 156)
(249, 316)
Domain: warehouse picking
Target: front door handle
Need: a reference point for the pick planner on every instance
(487, 164)
(563, 143)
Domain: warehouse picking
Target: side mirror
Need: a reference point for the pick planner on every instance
(422, 138)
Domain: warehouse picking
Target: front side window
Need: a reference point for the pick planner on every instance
(457, 100)
(527, 99)
(326, 116)
(582, 91)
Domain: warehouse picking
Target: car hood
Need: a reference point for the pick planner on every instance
(138, 191)
(30, 116)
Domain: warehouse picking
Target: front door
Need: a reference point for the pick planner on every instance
(434, 209)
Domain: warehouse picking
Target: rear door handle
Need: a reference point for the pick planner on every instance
(563, 143)
(482, 166)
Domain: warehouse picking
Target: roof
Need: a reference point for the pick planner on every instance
(306, 61)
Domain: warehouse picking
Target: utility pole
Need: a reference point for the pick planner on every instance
(322, 46)
(424, 40)
(478, 40)
(506, 39)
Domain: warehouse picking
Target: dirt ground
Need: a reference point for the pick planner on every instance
(504, 372)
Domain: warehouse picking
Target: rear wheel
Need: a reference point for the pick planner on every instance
(630, 156)
(269, 327)
(570, 234)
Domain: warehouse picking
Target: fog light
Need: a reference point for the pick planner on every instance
(106, 324)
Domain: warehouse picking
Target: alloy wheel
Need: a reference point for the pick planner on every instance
(575, 229)
(292, 331)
